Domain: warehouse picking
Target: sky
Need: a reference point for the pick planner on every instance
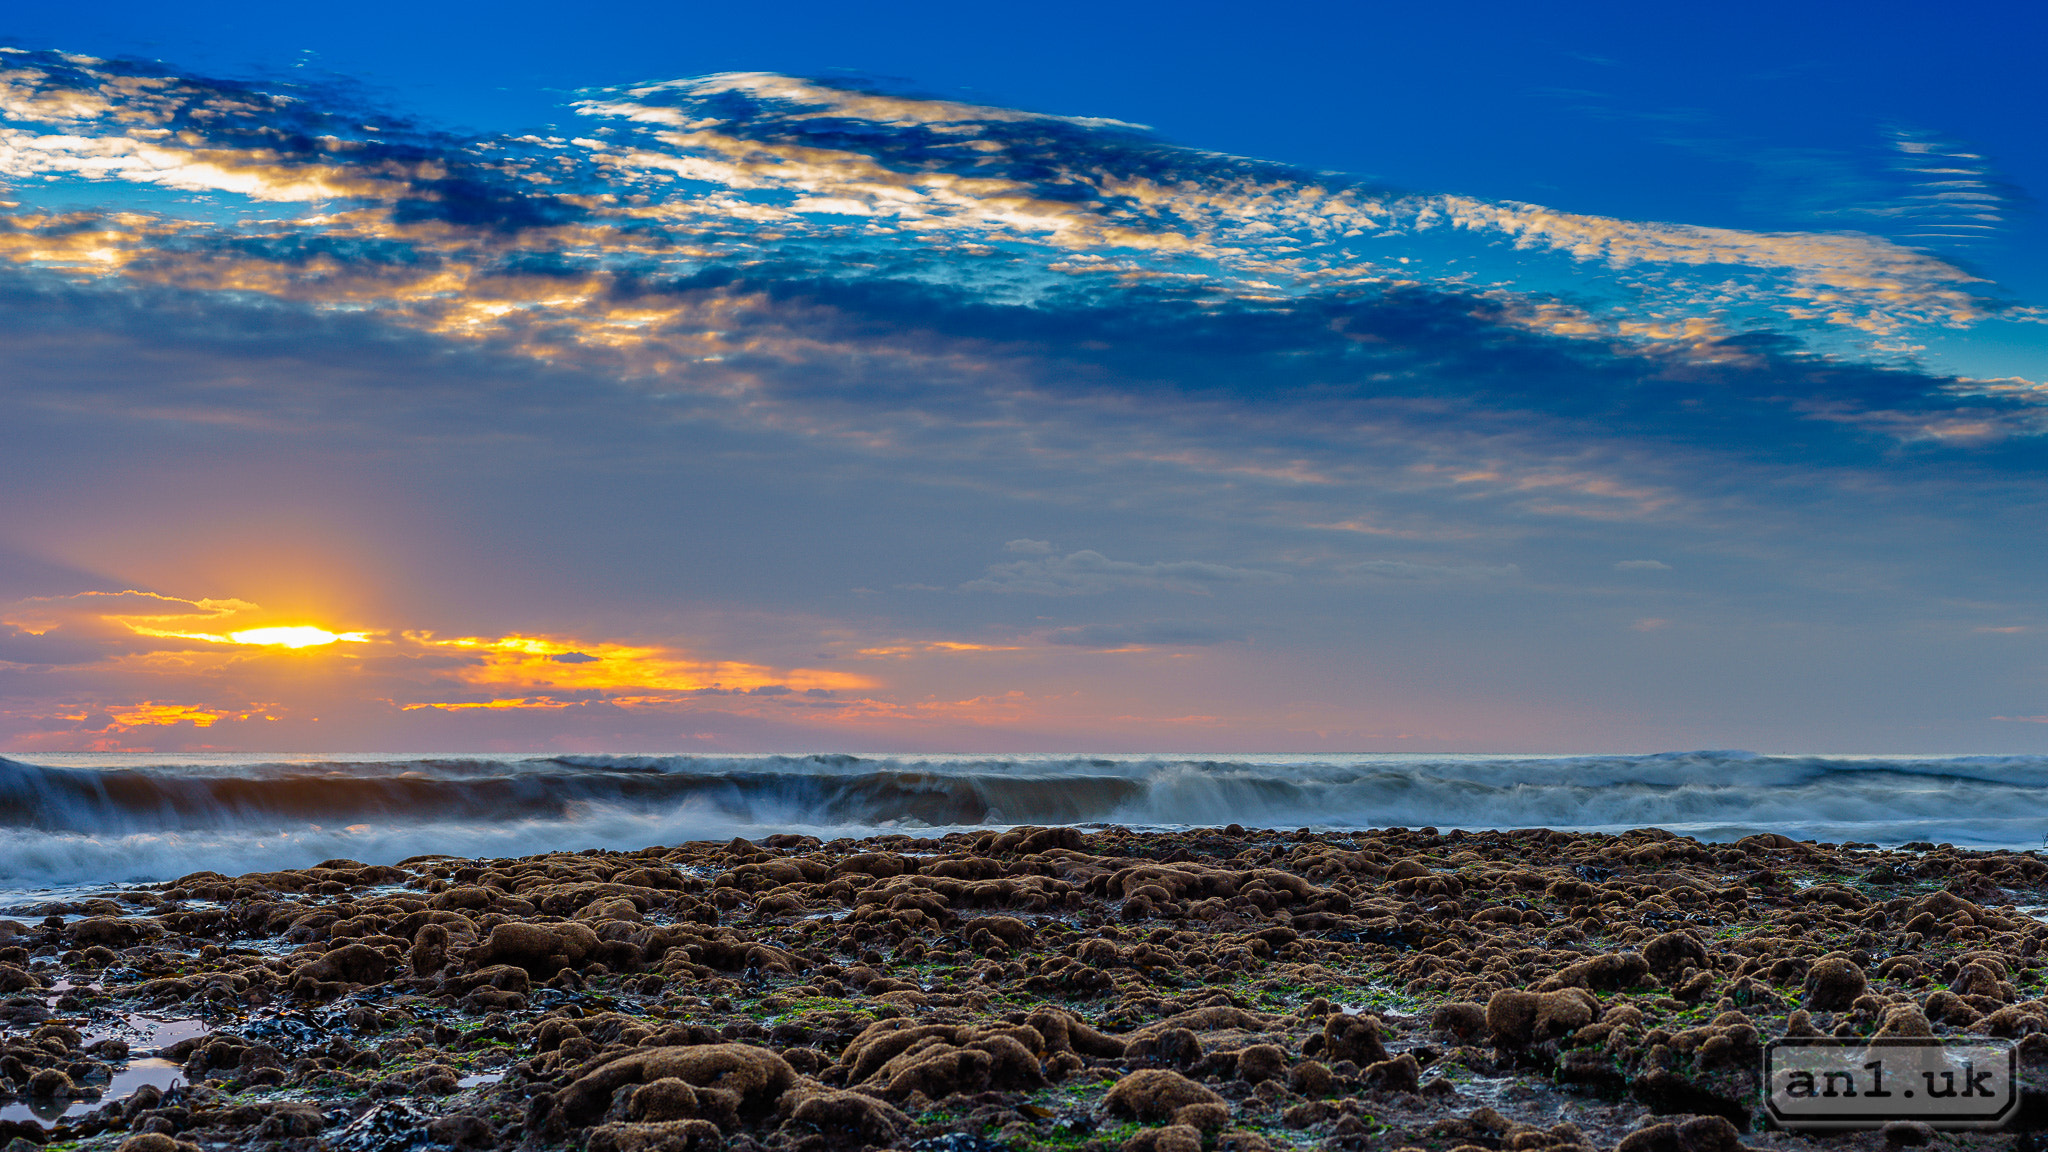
(1347, 378)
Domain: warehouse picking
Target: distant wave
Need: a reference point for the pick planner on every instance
(75, 822)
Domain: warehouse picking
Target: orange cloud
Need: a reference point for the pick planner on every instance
(221, 658)
(906, 648)
(155, 616)
(149, 713)
(568, 665)
(489, 705)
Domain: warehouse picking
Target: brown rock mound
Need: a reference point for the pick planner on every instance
(673, 1136)
(1600, 973)
(671, 1098)
(1156, 1094)
(1671, 952)
(756, 1075)
(1518, 1019)
(541, 949)
(1353, 1038)
(1699, 1134)
(842, 1114)
(1833, 983)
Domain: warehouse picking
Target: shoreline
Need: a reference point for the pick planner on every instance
(92, 818)
(1102, 991)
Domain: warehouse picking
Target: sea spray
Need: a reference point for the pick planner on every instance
(79, 817)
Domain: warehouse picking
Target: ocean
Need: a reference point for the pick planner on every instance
(94, 818)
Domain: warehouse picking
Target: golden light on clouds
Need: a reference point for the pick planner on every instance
(297, 636)
(159, 617)
(150, 713)
(158, 666)
(627, 675)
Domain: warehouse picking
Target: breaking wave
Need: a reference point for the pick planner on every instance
(78, 818)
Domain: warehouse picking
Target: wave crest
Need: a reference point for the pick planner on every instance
(83, 820)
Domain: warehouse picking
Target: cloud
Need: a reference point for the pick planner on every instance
(1641, 566)
(95, 667)
(753, 341)
(1089, 573)
(1402, 570)
(486, 236)
(1158, 634)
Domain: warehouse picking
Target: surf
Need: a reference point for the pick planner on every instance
(77, 817)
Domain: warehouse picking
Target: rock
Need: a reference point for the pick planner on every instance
(1518, 1019)
(155, 1142)
(1065, 1032)
(349, 964)
(672, 1136)
(1353, 1038)
(1462, 1019)
(1401, 1074)
(1904, 1020)
(50, 1084)
(1261, 1062)
(462, 1130)
(1177, 1046)
(541, 949)
(286, 1120)
(1654, 1138)
(1906, 1133)
(671, 1098)
(1006, 932)
(1800, 1023)
(1207, 1116)
(1172, 1138)
(1607, 973)
(940, 1060)
(1156, 1094)
(875, 1121)
(1709, 1134)
(1311, 1078)
(1833, 983)
(112, 931)
(755, 1075)
(1673, 952)
(429, 950)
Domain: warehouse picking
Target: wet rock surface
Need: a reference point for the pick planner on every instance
(1110, 991)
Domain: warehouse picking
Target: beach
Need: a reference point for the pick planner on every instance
(1025, 987)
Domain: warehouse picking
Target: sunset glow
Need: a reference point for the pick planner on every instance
(296, 636)
(829, 381)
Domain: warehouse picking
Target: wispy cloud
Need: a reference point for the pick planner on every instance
(677, 176)
(1164, 634)
(898, 330)
(1407, 572)
(1090, 573)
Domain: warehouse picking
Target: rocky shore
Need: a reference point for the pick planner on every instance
(1103, 991)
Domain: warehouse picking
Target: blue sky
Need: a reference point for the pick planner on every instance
(685, 378)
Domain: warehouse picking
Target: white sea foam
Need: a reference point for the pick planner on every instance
(78, 818)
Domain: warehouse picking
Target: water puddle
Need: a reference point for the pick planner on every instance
(164, 1033)
(479, 1079)
(147, 1070)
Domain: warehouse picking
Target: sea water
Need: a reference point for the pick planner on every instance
(92, 818)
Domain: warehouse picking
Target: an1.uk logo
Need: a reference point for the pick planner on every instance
(1826, 1082)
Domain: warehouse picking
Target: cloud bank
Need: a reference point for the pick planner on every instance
(705, 396)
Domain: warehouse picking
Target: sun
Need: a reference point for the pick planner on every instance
(296, 636)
